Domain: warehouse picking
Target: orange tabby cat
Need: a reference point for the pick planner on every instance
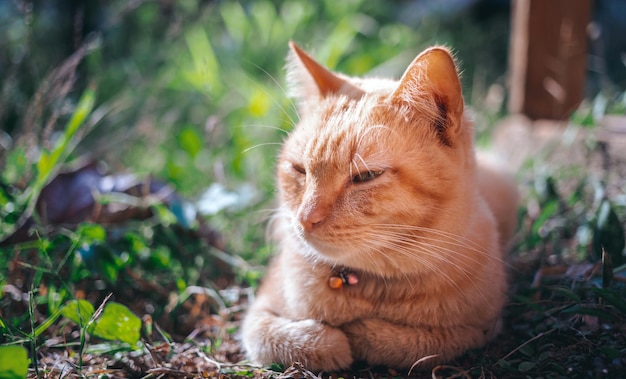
(391, 234)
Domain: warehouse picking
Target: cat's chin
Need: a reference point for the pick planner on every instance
(352, 257)
(365, 258)
(327, 252)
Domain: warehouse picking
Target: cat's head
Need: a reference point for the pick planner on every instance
(373, 162)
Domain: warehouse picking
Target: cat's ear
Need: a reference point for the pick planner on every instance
(433, 76)
(307, 77)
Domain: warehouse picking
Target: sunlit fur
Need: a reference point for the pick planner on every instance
(425, 236)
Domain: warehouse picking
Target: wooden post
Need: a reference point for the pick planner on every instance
(547, 58)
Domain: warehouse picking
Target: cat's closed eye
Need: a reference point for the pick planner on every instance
(298, 168)
(366, 176)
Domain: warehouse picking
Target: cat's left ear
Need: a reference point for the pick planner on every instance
(310, 79)
(433, 75)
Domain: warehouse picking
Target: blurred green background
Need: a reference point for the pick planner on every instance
(193, 92)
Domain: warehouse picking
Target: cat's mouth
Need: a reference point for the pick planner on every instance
(333, 247)
(319, 242)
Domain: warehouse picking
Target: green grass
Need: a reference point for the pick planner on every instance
(191, 97)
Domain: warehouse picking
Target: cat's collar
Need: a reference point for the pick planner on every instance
(341, 277)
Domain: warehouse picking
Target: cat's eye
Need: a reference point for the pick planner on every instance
(298, 168)
(366, 176)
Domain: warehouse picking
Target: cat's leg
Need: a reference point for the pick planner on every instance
(269, 338)
(380, 342)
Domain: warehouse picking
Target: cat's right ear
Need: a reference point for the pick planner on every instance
(310, 80)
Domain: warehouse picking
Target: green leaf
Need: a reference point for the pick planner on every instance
(79, 311)
(47, 322)
(91, 233)
(526, 366)
(117, 322)
(50, 160)
(107, 348)
(565, 291)
(609, 234)
(545, 356)
(205, 73)
(165, 215)
(259, 103)
(545, 188)
(13, 362)
(527, 350)
(191, 141)
(504, 364)
(549, 209)
(235, 20)
(589, 311)
(611, 297)
(15, 165)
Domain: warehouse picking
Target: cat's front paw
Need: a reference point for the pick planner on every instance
(316, 346)
(328, 347)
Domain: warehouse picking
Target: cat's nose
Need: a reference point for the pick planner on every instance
(311, 219)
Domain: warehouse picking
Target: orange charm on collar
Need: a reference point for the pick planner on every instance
(335, 282)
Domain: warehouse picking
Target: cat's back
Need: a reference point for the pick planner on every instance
(499, 190)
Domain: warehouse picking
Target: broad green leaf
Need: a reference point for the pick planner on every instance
(117, 322)
(79, 311)
(504, 364)
(13, 362)
(526, 366)
(527, 350)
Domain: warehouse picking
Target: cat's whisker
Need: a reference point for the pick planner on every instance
(293, 106)
(409, 249)
(463, 242)
(443, 253)
(407, 230)
(357, 155)
(423, 248)
(466, 242)
(409, 253)
(466, 263)
(267, 214)
(261, 145)
(355, 165)
(439, 242)
(273, 127)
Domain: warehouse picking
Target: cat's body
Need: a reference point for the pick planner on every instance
(379, 187)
